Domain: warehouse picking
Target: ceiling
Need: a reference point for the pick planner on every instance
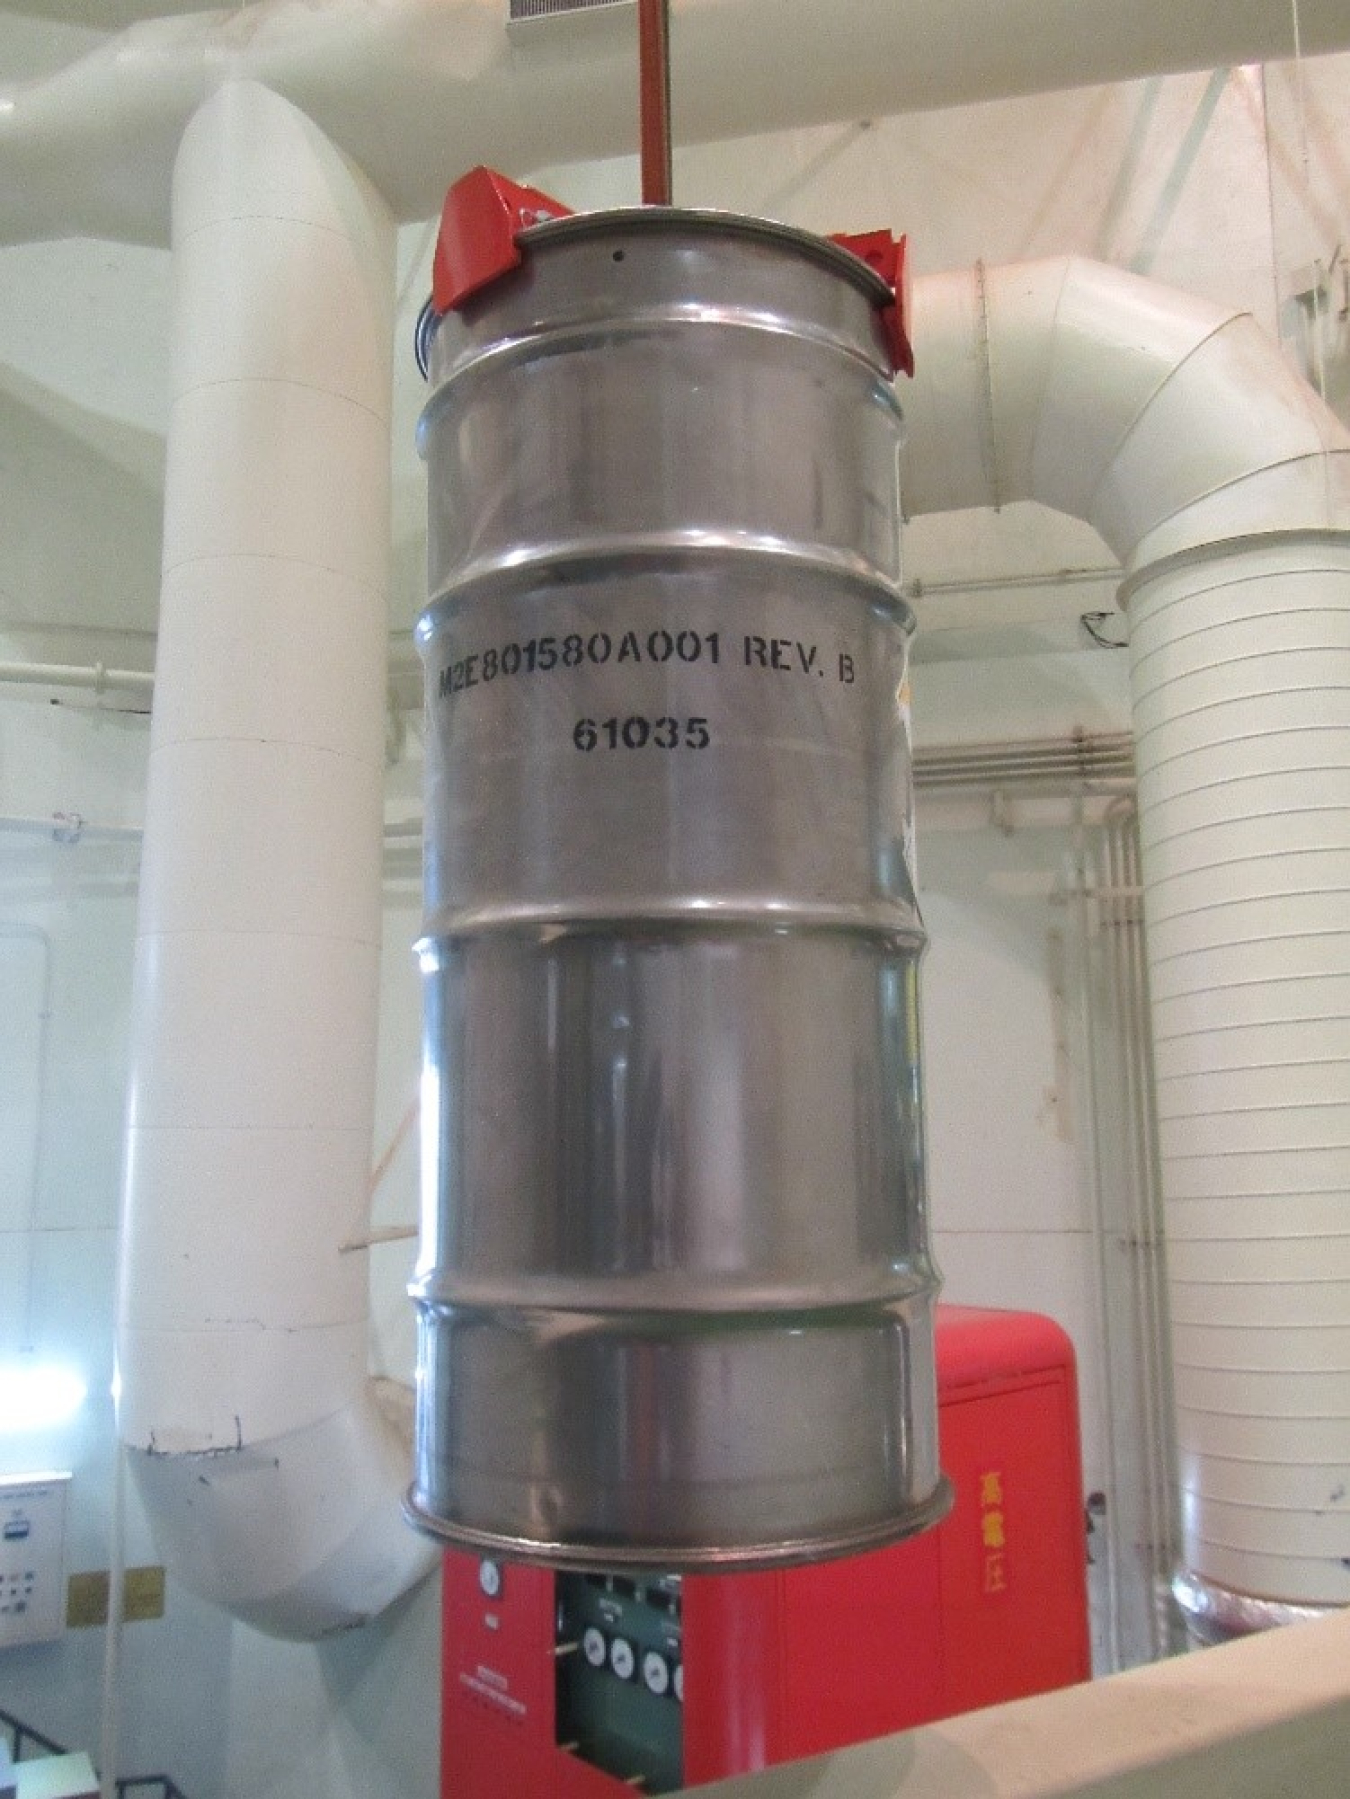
(1170, 175)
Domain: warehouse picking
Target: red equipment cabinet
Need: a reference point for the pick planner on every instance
(725, 1673)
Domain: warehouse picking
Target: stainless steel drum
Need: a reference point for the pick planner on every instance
(675, 1293)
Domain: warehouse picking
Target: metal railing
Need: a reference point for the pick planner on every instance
(24, 1740)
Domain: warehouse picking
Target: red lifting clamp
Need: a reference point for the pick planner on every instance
(482, 218)
(889, 257)
(484, 215)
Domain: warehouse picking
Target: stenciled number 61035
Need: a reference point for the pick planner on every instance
(638, 733)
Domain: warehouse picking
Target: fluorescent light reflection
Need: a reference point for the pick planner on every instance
(36, 1394)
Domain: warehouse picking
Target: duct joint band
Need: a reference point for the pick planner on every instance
(985, 356)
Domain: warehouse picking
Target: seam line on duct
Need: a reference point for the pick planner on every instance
(1177, 676)
(1177, 794)
(271, 743)
(1276, 1285)
(1158, 920)
(374, 586)
(250, 1129)
(385, 420)
(271, 936)
(267, 218)
(1252, 857)
(984, 357)
(1256, 1461)
(1210, 1074)
(975, 1230)
(1277, 614)
(1165, 601)
(1036, 411)
(1222, 1324)
(1197, 1113)
(1267, 1149)
(1274, 731)
(1296, 1419)
(1264, 1504)
(1089, 509)
(1252, 1196)
(1258, 1024)
(1237, 699)
(328, 1130)
(1181, 993)
(1265, 655)
(1246, 943)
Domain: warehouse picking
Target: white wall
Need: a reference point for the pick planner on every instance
(1173, 177)
(222, 1709)
(1012, 1221)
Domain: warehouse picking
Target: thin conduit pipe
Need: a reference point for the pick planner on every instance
(1156, 1426)
(30, 933)
(1084, 887)
(1112, 922)
(69, 828)
(96, 678)
(1157, 1335)
(110, 1716)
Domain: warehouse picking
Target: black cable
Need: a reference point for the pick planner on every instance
(1092, 623)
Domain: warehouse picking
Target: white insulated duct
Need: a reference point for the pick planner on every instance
(1223, 485)
(272, 1479)
(415, 91)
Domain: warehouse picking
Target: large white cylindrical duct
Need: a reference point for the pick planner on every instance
(418, 90)
(1241, 680)
(271, 1477)
(1223, 485)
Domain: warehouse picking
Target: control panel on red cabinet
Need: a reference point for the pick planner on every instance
(620, 1693)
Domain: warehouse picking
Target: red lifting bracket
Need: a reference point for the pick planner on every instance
(889, 257)
(484, 215)
(481, 220)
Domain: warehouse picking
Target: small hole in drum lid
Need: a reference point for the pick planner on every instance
(619, 255)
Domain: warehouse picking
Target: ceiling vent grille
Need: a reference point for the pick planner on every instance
(520, 11)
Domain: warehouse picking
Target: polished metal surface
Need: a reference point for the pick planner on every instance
(675, 1296)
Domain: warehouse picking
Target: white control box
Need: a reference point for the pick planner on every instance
(32, 1557)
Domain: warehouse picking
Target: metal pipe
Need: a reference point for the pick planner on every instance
(69, 828)
(654, 74)
(61, 674)
(918, 589)
(1085, 888)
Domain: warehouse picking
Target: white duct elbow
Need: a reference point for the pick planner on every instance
(1223, 485)
(297, 1534)
(1164, 421)
(272, 1478)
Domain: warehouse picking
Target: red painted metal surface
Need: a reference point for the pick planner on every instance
(481, 220)
(654, 94)
(485, 213)
(888, 257)
(989, 1606)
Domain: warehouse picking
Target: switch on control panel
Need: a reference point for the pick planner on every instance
(32, 1557)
